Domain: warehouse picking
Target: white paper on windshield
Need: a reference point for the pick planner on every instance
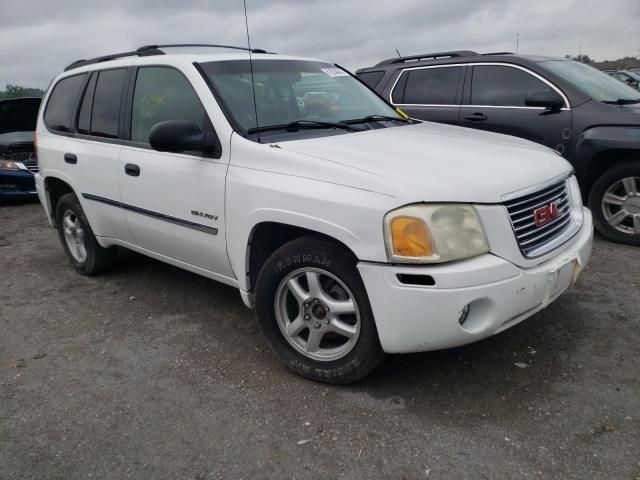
(334, 72)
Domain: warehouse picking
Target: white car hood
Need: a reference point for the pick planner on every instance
(431, 162)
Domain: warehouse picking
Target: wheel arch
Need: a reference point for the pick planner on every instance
(55, 188)
(601, 148)
(267, 236)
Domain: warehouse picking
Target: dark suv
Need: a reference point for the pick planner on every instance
(585, 115)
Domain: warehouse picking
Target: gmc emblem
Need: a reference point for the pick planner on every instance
(544, 215)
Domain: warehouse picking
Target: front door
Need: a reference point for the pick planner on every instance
(494, 100)
(174, 203)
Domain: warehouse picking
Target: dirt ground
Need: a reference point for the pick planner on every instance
(153, 372)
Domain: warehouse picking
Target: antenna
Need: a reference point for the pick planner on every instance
(253, 85)
(398, 52)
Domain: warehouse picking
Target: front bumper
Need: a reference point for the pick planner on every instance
(416, 318)
(16, 183)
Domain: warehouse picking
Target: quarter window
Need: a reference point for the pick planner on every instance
(371, 79)
(162, 94)
(106, 103)
(59, 112)
(503, 86)
(429, 86)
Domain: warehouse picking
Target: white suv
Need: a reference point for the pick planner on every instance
(350, 228)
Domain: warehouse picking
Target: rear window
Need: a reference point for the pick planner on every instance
(106, 103)
(429, 86)
(59, 112)
(371, 79)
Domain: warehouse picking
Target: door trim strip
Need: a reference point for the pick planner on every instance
(151, 213)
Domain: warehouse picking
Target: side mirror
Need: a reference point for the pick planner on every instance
(178, 136)
(544, 98)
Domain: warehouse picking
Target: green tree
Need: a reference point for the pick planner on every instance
(18, 91)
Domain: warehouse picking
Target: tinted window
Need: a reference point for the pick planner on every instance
(62, 101)
(84, 116)
(162, 94)
(433, 86)
(371, 78)
(505, 86)
(106, 103)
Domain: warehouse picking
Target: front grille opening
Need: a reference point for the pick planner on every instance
(532, 237)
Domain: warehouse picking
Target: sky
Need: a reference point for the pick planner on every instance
(38, 38)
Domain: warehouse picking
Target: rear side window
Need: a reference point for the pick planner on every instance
(371, 79)
(431, 86)
(162, 94)
(59, 112)
(106, 103)
(503, 86)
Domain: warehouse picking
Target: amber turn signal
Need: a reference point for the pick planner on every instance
(410, 237)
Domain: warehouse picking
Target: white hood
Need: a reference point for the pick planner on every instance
(432, 162)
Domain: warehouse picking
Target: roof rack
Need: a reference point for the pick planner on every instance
(148, 50)
(424, 56)
(497, 53)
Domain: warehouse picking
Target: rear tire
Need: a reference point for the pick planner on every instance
(78, 240)
(615, 203)
(314, 312)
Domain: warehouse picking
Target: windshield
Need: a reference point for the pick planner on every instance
(292, 92)
(592, 82)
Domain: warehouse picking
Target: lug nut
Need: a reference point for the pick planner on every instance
(317, 325)
(307, 317)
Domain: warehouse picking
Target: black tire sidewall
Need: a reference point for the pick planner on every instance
(627, 169)
(324, 255)
(70, 202)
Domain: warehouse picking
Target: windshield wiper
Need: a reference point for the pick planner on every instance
(622, 101)
(300, 124)
(374, 118)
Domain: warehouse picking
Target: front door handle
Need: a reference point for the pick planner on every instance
(132, 169)
(476, 117)
(70, 158)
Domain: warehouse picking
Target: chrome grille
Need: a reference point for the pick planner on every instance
(521, 210)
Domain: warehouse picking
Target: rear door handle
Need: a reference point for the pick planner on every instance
(70, 158)
(476, 117)
(132, 169)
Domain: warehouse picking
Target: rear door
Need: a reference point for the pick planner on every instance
(494, 100)
(84, 110)
(174, 203)
(430, 93)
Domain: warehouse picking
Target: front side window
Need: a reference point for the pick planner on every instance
(290, 91)
(592, 82)
(106, 103)
(497, 85)
(59, 112)
(430, 86)
(162, 94)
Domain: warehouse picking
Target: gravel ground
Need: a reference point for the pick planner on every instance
(153, 372)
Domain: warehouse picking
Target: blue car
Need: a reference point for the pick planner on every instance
(18, 162)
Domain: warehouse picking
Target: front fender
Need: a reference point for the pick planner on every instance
(351, 216)
(596, 140)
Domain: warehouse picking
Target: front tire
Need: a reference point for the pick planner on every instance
(615, 203)
(78, 240)
(314, 311)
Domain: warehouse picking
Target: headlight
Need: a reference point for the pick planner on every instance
(434, 233)
(9, 165)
